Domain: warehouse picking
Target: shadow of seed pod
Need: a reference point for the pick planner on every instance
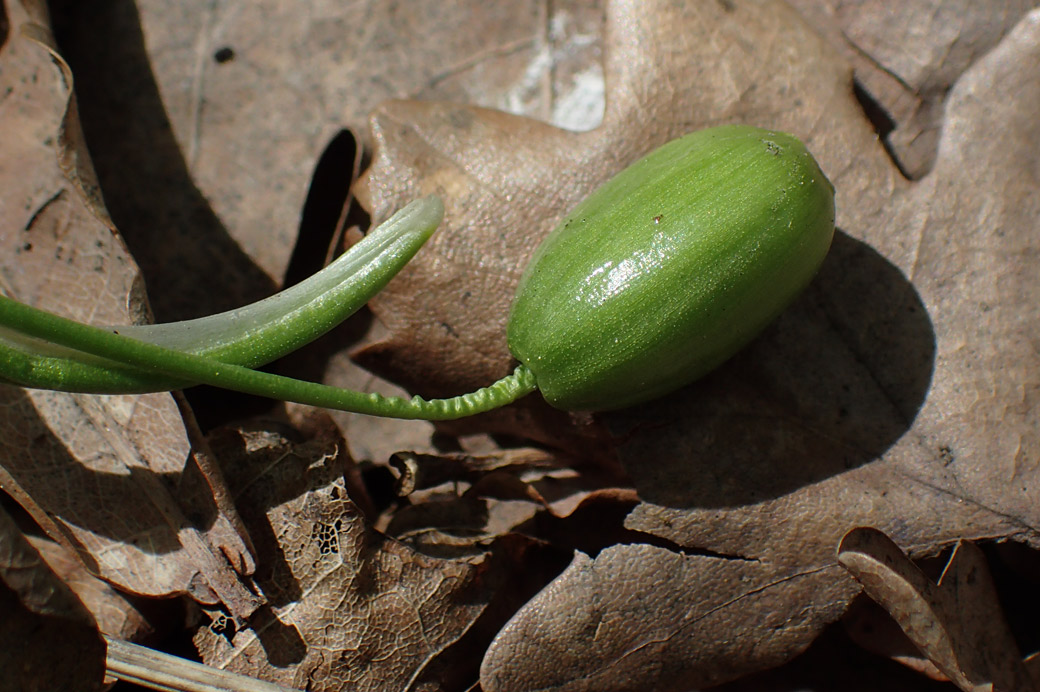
(828, 387)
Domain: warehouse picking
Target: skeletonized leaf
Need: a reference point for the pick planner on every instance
(348, 607)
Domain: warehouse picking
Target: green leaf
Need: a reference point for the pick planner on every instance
(249, 336)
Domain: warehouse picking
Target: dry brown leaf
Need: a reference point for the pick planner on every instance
(350, 608)
(645, 617)
(456, 504)
(206, 122)
(93, 471)
(908, 58)
(254, 91)
(815, 455)
(833, 664)
(112, 612)
(872, 629)
(899, 391)
(958, 624)
(48, 640)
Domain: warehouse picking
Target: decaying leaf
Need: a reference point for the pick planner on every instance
(97, 473)
(900, 391)
(348, 607)
(958, 624)
(113, 613)
(48, 640)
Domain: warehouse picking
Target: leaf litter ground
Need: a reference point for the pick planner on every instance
(897, 393)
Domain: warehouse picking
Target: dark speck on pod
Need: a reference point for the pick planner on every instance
(224, 54)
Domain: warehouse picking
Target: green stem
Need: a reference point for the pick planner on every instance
(17, 367)
(252, 335)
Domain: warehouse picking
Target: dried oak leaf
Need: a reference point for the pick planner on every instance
(845, 443)
(958, 623)
(48, 640)
(94, 472)
(907, 56)
(900, 391)
(239, 100)
(209, 123)
(349, 608)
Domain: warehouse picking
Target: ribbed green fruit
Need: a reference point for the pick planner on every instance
(671, 266)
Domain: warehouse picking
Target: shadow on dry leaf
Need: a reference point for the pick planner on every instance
(169, 227)
(90, 469)
(829, 387)
(68, 479)
(958, 623)
(48, 639)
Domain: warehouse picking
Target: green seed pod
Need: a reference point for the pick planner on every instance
(671, 266)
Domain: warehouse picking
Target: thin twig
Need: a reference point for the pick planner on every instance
(158, 671)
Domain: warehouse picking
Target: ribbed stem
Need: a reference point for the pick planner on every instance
(17, 366)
